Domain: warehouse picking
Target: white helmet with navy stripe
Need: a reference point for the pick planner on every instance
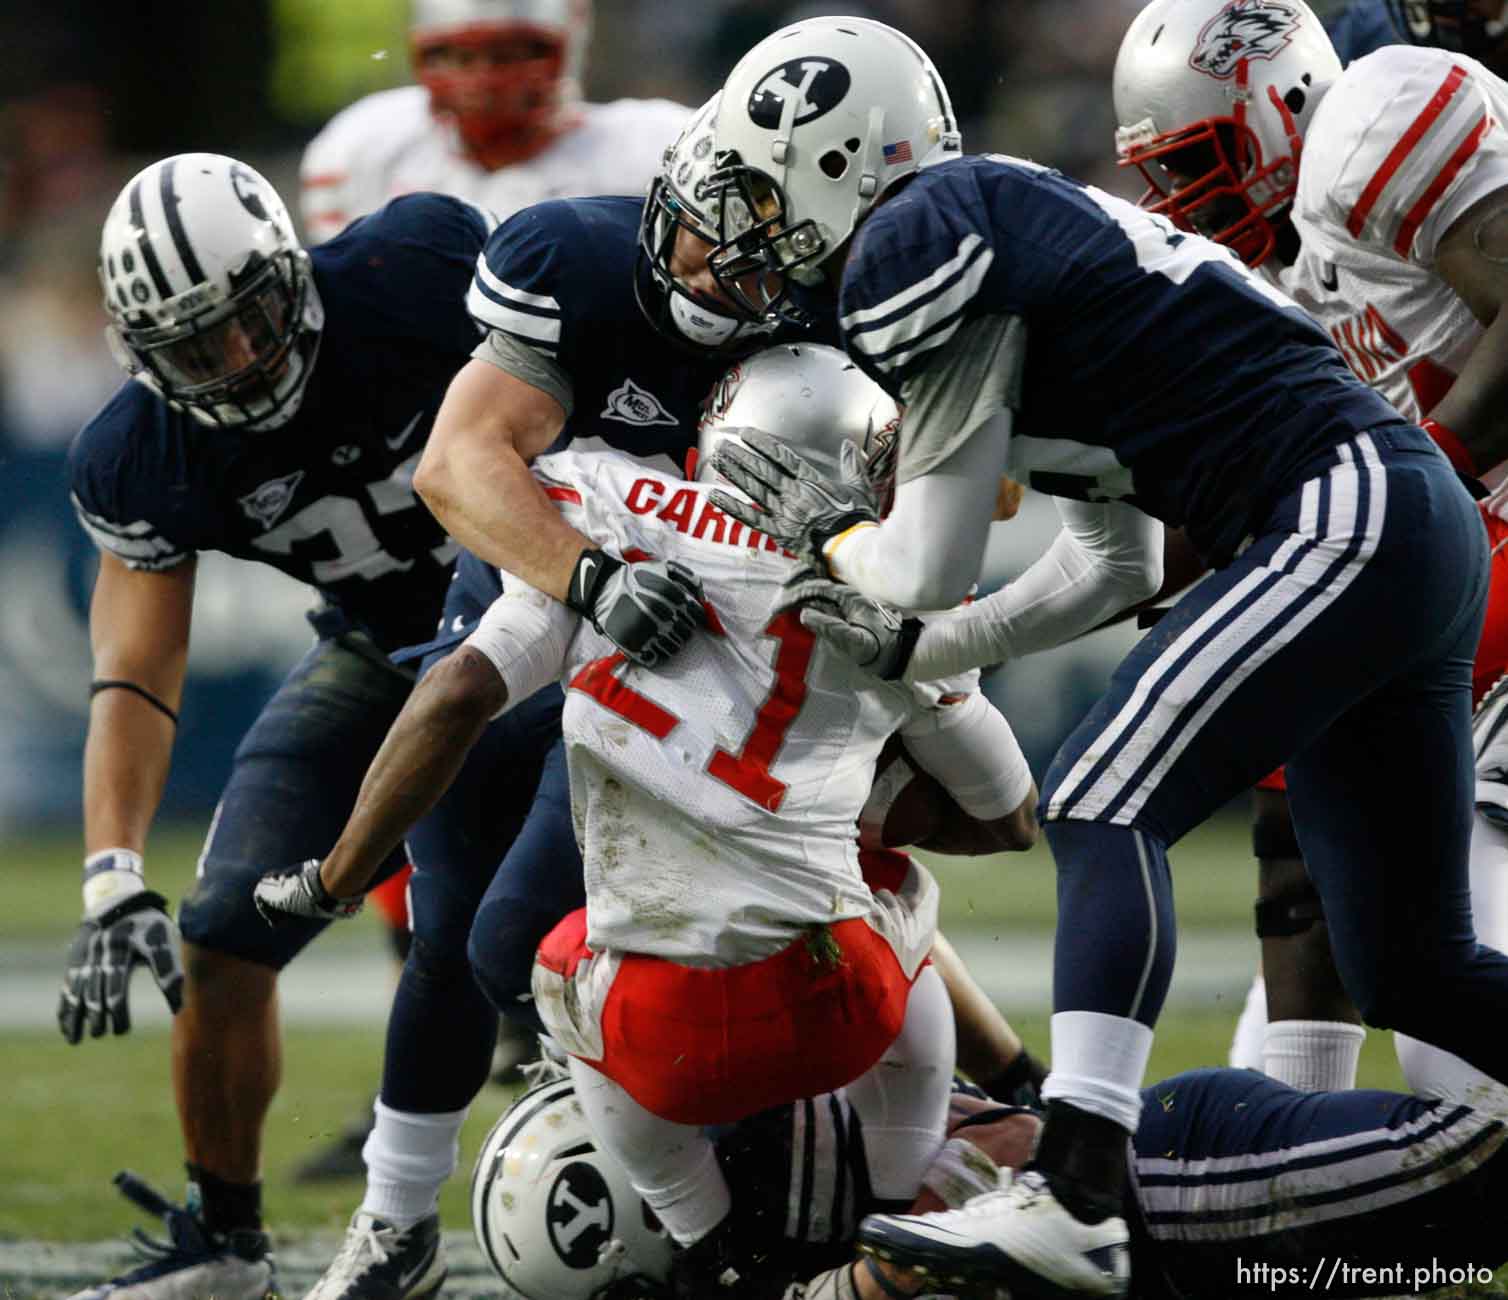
(212, 302)
(816, 123)
(554, 1213)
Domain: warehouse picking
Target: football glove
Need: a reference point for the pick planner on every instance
(876, 637)
(127, 927)
(648, 610)
(792, 502)
(298, 891)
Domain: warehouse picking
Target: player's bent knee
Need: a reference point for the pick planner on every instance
(504, 938)
(218, 917)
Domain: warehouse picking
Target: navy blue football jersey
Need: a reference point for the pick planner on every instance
(559, 277)
(328, 497)
(1158, 370)
(1360, 28)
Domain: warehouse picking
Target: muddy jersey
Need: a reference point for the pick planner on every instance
(715, 797)
(390, 144)
(327, 497)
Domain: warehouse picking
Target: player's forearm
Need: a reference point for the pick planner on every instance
(927, 552)
(490, 503)
(1475, 409)
(418, 760)
(126, 760)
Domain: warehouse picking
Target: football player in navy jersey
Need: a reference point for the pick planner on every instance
(279, 404)
(1036, 326)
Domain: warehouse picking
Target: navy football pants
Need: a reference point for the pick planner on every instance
(1339, 641)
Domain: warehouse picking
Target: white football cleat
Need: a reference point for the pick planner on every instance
(1020, 1236)
(378, 1261)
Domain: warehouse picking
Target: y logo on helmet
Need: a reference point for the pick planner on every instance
(580, 1215)
(247, 190)
(1243, 29)
(819, 85)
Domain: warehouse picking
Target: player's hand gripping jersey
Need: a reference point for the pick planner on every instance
(391, 143)
(328, 497)
(715, 799)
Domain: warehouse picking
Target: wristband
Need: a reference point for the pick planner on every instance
(1449, 441)
(828, 546)
(111, 874)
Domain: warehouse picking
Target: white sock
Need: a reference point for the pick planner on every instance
(1313, 1055)
(1489, 882)
(408, 1158)
(1099, 1062)
(672, 1166)
(1251, 1028)
(902, 1099)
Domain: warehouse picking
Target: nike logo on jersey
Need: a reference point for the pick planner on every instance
(266, 504)
(631, 404)
(1330, 277)
(399, 438)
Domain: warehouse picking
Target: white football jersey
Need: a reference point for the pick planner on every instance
(1404, 142)
(389, 144)
(715, 797)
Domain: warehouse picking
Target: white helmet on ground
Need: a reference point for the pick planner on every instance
(673, 205)
(555, 1215)
(812, 397)
(816, 122)
(507, 72)
(211, 300)
(1213, 98)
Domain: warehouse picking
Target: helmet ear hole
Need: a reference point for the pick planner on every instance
(853, 144)
(833, 164)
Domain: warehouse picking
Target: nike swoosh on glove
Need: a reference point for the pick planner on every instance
(298, 891)
(106, 949)
(792, 502)
(648, 610)
(876, 637)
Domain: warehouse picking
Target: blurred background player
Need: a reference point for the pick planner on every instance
(1377, 198)
(497, 118)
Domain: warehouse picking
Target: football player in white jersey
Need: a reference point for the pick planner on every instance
(497, 118)
(733, 922)
(1377, 197)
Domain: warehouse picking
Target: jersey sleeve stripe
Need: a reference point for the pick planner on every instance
(1416, 214)
(148, 552)
(1373, 191)
(569, 494)
(506, 292)
(324, 180)
(497, 315)
(968, 248)
(930, 319)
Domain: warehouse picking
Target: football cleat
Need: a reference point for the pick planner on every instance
(378, 1261)
(1020, 1236)
(194, 1263)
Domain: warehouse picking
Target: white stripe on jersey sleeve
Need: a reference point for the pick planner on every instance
(506, 292)
(967, 269)
(148, 553)
(495, 315)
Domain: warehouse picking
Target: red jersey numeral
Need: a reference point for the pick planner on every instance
(748, 771)
(597, 680)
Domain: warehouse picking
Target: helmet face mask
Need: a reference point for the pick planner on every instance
(212, 302)
(679, 224)
(1213, 98)
(505, 72)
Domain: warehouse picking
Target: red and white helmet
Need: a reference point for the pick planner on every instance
(1213, 98)
(510, 78)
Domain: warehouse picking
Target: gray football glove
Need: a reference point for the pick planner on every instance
(878, 638)
(792, 502)
(298, 891)
(648, 610)
(107, 947)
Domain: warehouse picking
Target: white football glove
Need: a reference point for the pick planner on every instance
(298, 891)
(876, 637)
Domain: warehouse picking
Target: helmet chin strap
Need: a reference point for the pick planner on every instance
(699, 325)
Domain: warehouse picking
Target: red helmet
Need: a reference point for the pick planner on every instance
(506, 72)
(1213, 98)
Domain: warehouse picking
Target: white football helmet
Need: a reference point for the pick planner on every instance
(812, 397)
(507, 72)
(555, 1215)
(1213, 98)
(672, 205)
(816, 122)
(211, 300)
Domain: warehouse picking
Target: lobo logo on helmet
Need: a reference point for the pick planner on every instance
(580, 1215)
(1244, 29)
(820, 85)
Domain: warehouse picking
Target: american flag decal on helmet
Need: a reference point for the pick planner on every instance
(900, 152)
